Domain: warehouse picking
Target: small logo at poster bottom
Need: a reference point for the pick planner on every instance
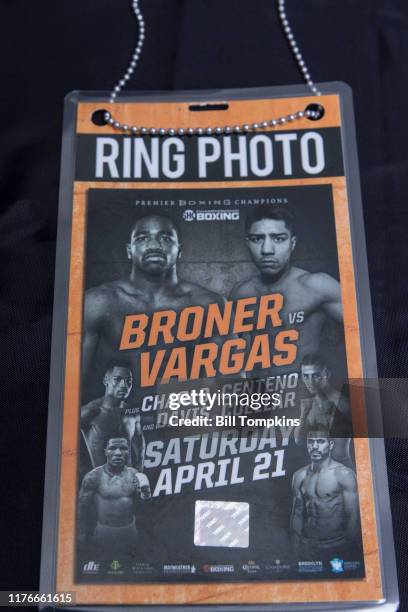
(91, 568)
(337, 565)
(212, 568)
(143, 568)
(310, 566)
(115, 565)
(251, 567)
(351, 566)
(115, 568)
(179, 568)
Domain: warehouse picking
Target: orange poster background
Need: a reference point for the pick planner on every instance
(367, 589)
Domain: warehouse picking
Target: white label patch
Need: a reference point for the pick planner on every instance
(220, 523)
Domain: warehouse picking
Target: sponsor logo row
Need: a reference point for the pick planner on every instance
(337, 566)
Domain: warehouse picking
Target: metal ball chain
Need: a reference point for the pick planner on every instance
(218, 130)
(199, 131)
(136, 53)
(295, 48)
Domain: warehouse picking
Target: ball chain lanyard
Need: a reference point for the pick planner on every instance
(312, 111)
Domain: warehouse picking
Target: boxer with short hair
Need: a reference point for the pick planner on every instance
(153, 284)
(107, 501)
(309, 297)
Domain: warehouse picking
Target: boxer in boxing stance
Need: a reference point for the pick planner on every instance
(111, 416)
(309, 298)
(325, 513)
(108, 499)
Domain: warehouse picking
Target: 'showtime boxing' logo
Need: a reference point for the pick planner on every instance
(211, 215)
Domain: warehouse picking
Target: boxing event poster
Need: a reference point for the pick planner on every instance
(209, 445)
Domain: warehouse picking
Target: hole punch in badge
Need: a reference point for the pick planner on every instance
(219, 523)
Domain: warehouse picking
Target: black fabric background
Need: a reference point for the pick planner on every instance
(50, 48)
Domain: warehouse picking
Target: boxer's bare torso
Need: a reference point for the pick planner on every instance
(112, 497)
(319, 501)
(308, 299)
(106, 307)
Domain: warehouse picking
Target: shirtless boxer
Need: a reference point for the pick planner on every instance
(110, 416)
(107, 501)
(327, 409)
(325, 513)
(308, 297)
(153, 284)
